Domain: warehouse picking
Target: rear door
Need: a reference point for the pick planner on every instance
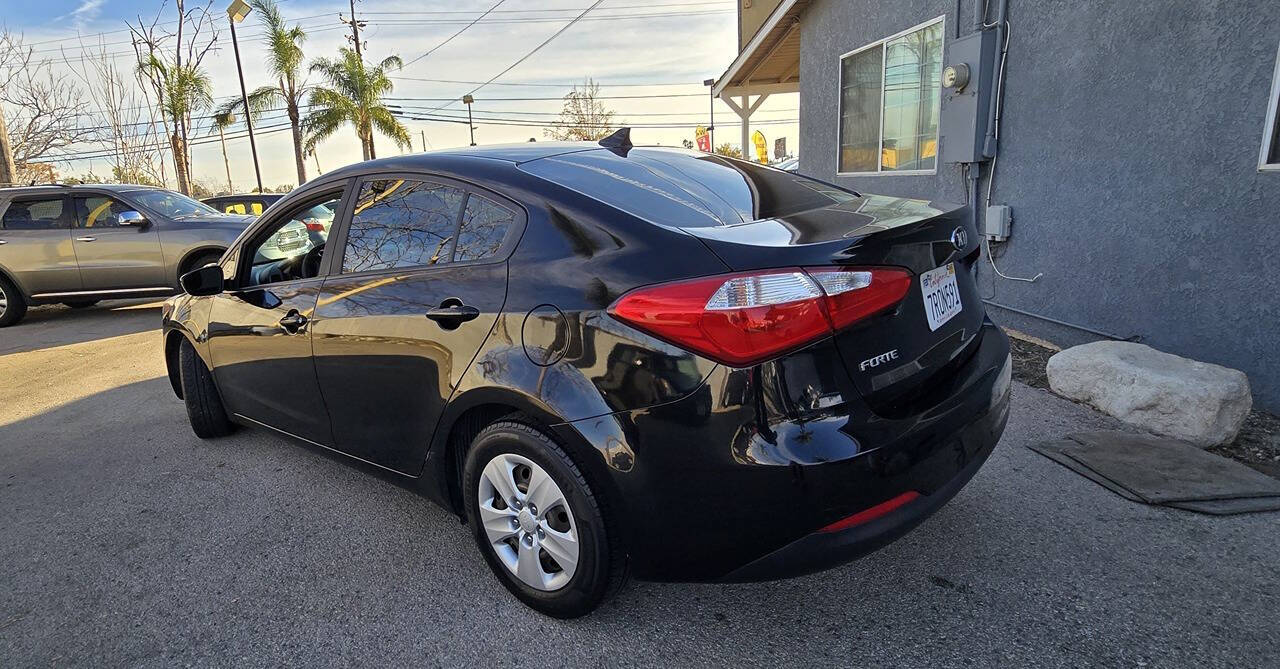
(421, 282)
(114, 256)
(35, 244)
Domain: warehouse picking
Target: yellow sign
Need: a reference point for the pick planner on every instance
(762, 146)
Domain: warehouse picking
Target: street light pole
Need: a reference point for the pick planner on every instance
(468, 100)
(711, 129)
(235, 14)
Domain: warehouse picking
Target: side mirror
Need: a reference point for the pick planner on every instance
(131, 218)
(205, 280)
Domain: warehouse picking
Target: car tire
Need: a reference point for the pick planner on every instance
(204, 405)
(198, 261)
(598, 569)
(82, 304)
(12, 305)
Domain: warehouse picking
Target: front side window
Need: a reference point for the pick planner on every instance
(172, 205)
(99, 211)
(401, 223)
(890, 94)
(35, 214)
(292, 247)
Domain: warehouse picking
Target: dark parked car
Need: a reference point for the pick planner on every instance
(614, 359)
(81, 244)
(250, 204)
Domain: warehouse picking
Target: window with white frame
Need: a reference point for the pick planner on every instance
(890, 93)
(1269, 158)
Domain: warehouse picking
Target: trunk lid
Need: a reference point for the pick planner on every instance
(898, 360)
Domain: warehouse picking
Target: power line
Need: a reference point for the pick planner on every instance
(549, 85)
(450, 38)
(598, 97)
(535, 49)
(561, 9)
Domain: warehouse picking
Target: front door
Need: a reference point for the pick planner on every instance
(422, 281)
(260, 331)
(36, 247)
(114, 256)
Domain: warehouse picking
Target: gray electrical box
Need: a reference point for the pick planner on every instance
(998, 222)
(962, 127)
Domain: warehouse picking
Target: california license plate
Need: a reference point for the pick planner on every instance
(941, 295)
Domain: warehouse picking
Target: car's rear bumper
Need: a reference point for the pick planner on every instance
(736, 480)
(824, 549)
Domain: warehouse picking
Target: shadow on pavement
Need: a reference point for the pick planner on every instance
(127, 541)
(57, 325)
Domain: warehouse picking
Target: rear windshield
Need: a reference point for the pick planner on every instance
(685, 189)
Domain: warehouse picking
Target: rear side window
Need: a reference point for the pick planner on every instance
(683, 189)
(35, 214)
(484, 226)
(401, 223)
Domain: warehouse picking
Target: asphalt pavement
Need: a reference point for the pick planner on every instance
(127, 541)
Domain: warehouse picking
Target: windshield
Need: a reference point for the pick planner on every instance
(172, 205)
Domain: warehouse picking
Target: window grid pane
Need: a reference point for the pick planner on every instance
(912, 89)
(861, 80)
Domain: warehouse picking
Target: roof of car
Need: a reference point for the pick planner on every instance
(242, 195)
(40, 188)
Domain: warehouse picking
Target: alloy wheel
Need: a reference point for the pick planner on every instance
(4, 302)
(528, 522)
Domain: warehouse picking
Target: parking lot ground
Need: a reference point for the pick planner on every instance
(127, 541)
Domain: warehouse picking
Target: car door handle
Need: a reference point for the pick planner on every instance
(3, 242)
(86, 239)
(453, 315)
(293, 322)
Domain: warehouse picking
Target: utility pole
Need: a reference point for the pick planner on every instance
(711, 129)
(424, 140)
(235, 14)
(355, 30)
(8, 173)
(467, 99)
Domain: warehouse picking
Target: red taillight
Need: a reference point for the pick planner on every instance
(870, 514)
(741, 319)
(314, 227)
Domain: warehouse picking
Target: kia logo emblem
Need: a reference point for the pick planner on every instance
(959, 238)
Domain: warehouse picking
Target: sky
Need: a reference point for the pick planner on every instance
(631, 47)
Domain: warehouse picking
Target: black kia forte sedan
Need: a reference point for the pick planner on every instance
(613, 360)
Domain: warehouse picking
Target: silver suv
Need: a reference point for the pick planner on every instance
(80, 244)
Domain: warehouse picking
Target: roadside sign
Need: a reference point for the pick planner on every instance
(780, 148)
(704, 140)
(762, 146)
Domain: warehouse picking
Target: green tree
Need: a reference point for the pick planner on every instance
(727, 149)
(223, 119)
(583, 117)
(186, 91)
(354, 95)
(284, 59)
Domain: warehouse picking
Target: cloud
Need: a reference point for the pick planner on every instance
(87, 11)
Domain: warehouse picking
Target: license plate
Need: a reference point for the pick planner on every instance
(941, 295)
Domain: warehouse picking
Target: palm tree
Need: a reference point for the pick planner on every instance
(185, 90)
(354, 96)
(222, 120)
(284, 58)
